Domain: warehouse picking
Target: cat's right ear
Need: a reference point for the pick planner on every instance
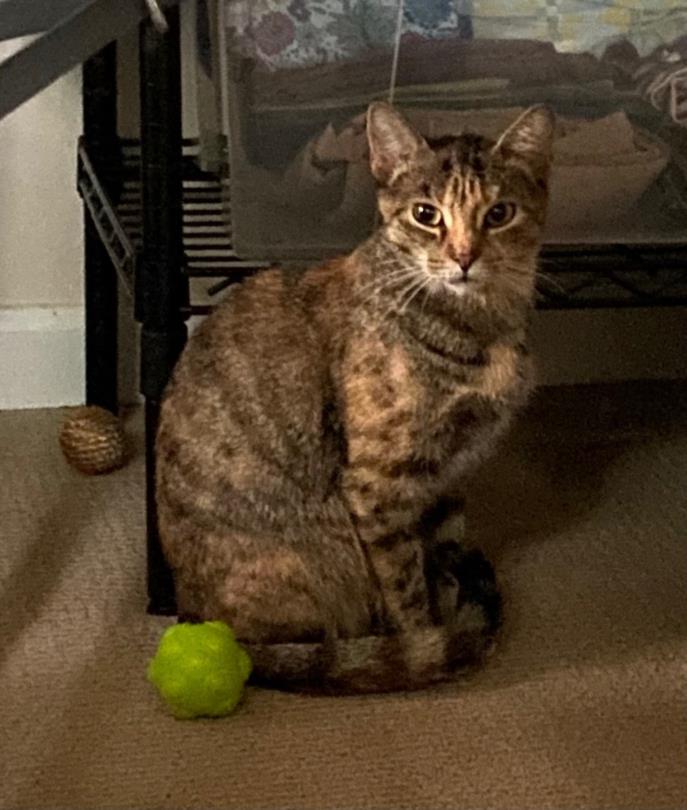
(530, 138)
(394, 144)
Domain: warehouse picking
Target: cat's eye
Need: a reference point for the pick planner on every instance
(427, 214)
(499, 215)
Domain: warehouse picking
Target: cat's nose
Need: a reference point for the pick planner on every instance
(465, 260)
(463, 256)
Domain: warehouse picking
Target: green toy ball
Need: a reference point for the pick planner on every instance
(200, 670)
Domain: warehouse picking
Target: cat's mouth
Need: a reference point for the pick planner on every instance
(461, 282)
(455, 276)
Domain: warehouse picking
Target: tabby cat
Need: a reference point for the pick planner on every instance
(318, 422)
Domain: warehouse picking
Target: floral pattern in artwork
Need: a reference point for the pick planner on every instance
(292, 33)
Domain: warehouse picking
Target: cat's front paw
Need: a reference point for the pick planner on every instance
(458, 578)
(477, 584)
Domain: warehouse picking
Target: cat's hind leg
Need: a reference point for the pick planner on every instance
(457, 577)
(297, 586)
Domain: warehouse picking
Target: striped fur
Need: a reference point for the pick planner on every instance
(317, 421)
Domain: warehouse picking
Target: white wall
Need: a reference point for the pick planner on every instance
(41, 312)
(41, 238)
(40, 210)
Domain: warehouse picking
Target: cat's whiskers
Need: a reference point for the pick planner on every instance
(395, 306)
(384, 280)
(386, 283)
(424, 282)
(398, 298)
(551, 280)
(379, 293)
(427, 289)
(389, 262)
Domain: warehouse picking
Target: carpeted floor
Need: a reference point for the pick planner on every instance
(582, 706)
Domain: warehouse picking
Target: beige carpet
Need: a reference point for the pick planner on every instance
(583, 706)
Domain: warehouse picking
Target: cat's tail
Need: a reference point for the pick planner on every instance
(411, 660)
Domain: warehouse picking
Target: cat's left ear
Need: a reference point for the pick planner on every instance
(530, 138)
(394, 144)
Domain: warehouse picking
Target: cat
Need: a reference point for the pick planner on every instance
(318, 422)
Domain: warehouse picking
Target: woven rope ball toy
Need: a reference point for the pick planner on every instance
(92, 440)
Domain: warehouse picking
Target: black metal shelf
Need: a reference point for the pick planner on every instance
(613, 276)
(208, 250)
(572, 276)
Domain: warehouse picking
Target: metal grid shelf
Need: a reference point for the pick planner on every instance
(208, 250)
(572, 276)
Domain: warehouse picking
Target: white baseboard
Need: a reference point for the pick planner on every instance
(41, 357)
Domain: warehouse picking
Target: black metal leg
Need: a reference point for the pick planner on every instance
(161, 598)
(161, 287)
(100, 135)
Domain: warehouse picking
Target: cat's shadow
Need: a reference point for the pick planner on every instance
(589, 570)
(550, 473)
(528, 493)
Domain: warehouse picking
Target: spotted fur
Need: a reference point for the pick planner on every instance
(317, 421)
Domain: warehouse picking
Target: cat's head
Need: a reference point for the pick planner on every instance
(468, 211)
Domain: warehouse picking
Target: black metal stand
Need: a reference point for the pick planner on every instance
(161, 288)
(100, 138)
